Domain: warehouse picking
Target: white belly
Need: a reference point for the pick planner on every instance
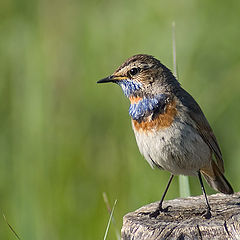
(178, 149)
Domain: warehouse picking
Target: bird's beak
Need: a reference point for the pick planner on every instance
(107, 79)
(111, 78)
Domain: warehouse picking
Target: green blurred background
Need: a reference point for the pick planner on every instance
(64, 140)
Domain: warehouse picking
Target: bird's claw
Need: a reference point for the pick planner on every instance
(156, 212)
(207, 214)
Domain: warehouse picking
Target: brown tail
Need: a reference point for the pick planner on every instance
(216, 179)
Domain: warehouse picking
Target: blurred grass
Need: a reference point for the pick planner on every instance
(64, 140)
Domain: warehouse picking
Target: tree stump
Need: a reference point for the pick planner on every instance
(184, 219)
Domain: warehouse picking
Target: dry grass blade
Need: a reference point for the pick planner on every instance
(110, 220)
(11, 228)
(105, 198)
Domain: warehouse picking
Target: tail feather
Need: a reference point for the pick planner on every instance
(216, 179)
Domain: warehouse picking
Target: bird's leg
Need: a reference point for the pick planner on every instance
(160, 208)
(208, 213)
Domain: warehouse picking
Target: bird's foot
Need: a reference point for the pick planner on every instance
(156, 212)
(207, 214)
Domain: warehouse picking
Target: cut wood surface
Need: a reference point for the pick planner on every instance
(184, 219)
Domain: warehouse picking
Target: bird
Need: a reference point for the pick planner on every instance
(171, 131)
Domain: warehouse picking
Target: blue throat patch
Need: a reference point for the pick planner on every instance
(147, 106)
(129, 87)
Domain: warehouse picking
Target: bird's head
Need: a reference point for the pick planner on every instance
(142, 76)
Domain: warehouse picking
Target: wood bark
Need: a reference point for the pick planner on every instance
(184, 219)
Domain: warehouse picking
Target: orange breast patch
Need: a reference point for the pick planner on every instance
(135, 100)
(161, 121)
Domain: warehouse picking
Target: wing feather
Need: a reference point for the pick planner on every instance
(203, 127)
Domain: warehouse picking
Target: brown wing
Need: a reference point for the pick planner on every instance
(203, 126)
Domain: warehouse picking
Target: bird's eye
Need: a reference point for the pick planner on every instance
(134, 71)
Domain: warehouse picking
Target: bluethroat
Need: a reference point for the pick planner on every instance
(171, 130)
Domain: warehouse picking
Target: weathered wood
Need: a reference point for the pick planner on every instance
(184, 220)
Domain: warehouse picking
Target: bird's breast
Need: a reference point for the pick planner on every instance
(160, 121)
